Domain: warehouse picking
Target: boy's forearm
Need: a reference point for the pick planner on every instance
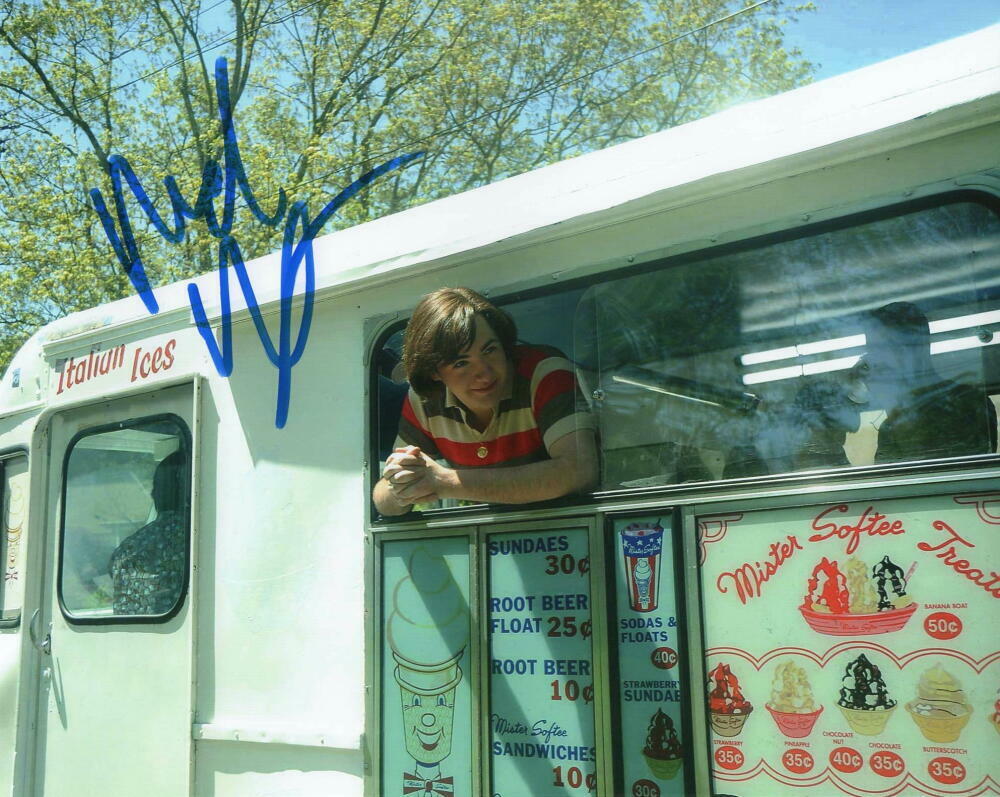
(520, 484)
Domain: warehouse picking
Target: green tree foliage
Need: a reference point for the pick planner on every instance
(325, 90)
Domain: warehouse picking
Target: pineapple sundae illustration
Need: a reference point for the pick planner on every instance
(792, 705)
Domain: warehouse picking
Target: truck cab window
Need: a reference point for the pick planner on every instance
(126, 508)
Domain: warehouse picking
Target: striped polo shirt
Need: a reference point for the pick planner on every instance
(544, 404)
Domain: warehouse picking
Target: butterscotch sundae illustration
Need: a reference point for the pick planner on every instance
(864, 697)
(663, 751)
(941, 709)
(427, 631)
(862, 601)
(792, 705)
(727, 708)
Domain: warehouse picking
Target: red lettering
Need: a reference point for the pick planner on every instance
(948, 554)
(135, 363)
(144, 365)
(168, 354)
(157, 356)
(870, 524)
(750, 577)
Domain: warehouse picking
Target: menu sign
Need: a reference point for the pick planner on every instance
(426, 699)
(649, 691)
(853, 648)
(541, 673)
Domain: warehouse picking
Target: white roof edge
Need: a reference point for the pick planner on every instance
(919, 84)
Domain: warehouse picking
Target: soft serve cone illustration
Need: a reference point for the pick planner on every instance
(428, 630)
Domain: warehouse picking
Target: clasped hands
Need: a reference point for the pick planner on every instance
(415, 478)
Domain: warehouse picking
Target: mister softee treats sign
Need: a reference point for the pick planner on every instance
(852, 648)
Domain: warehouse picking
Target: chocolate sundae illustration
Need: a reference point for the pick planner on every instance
(727, 708)
(427, 630)
(641, 548)
(856, 603)
(662, 752)
(864, 697)
(792, 705)
(941, 709)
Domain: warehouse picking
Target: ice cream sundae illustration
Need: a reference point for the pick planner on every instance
(641, 547)
(427, 630)
(856, 603)
(864, 697)
(995, 718)
(662, 752)
(941, 709)
(792, 705)
(727, 708)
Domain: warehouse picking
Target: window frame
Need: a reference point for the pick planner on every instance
(394, 322)
(186, 446)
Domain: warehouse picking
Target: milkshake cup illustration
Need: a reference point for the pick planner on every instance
(428, 631)
(727, 708)
(864, 697)
(941, 709)
(663, 752)
(792, 706)
(641, 548)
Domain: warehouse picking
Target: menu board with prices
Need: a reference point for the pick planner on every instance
(426, 698)
(852, 648)
(542, 739)
(646, 636)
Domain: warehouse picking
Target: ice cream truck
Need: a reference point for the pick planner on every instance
(784, 321)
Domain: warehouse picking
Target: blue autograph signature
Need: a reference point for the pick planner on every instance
(225, 180)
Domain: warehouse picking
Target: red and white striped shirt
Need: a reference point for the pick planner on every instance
(544, 405)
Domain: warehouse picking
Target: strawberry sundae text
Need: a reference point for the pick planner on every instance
(749, 578)
(871, 524)
(947, 552)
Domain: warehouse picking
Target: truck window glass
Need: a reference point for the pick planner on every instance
(14, 492)
(126, 522)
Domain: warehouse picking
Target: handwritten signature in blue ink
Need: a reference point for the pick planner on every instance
(226, 180)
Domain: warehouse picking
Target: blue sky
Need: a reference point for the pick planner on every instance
(842, 35)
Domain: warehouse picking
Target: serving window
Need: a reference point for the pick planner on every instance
(125, 543)
(871, 340)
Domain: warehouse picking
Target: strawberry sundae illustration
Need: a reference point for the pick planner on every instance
(864, 697)
(995, 719)
(857, 603)
(727, 708)
(662, 752)
(792, 705)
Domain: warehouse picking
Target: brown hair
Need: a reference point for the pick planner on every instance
(442, 326)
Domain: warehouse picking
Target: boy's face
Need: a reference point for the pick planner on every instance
(479, 377)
